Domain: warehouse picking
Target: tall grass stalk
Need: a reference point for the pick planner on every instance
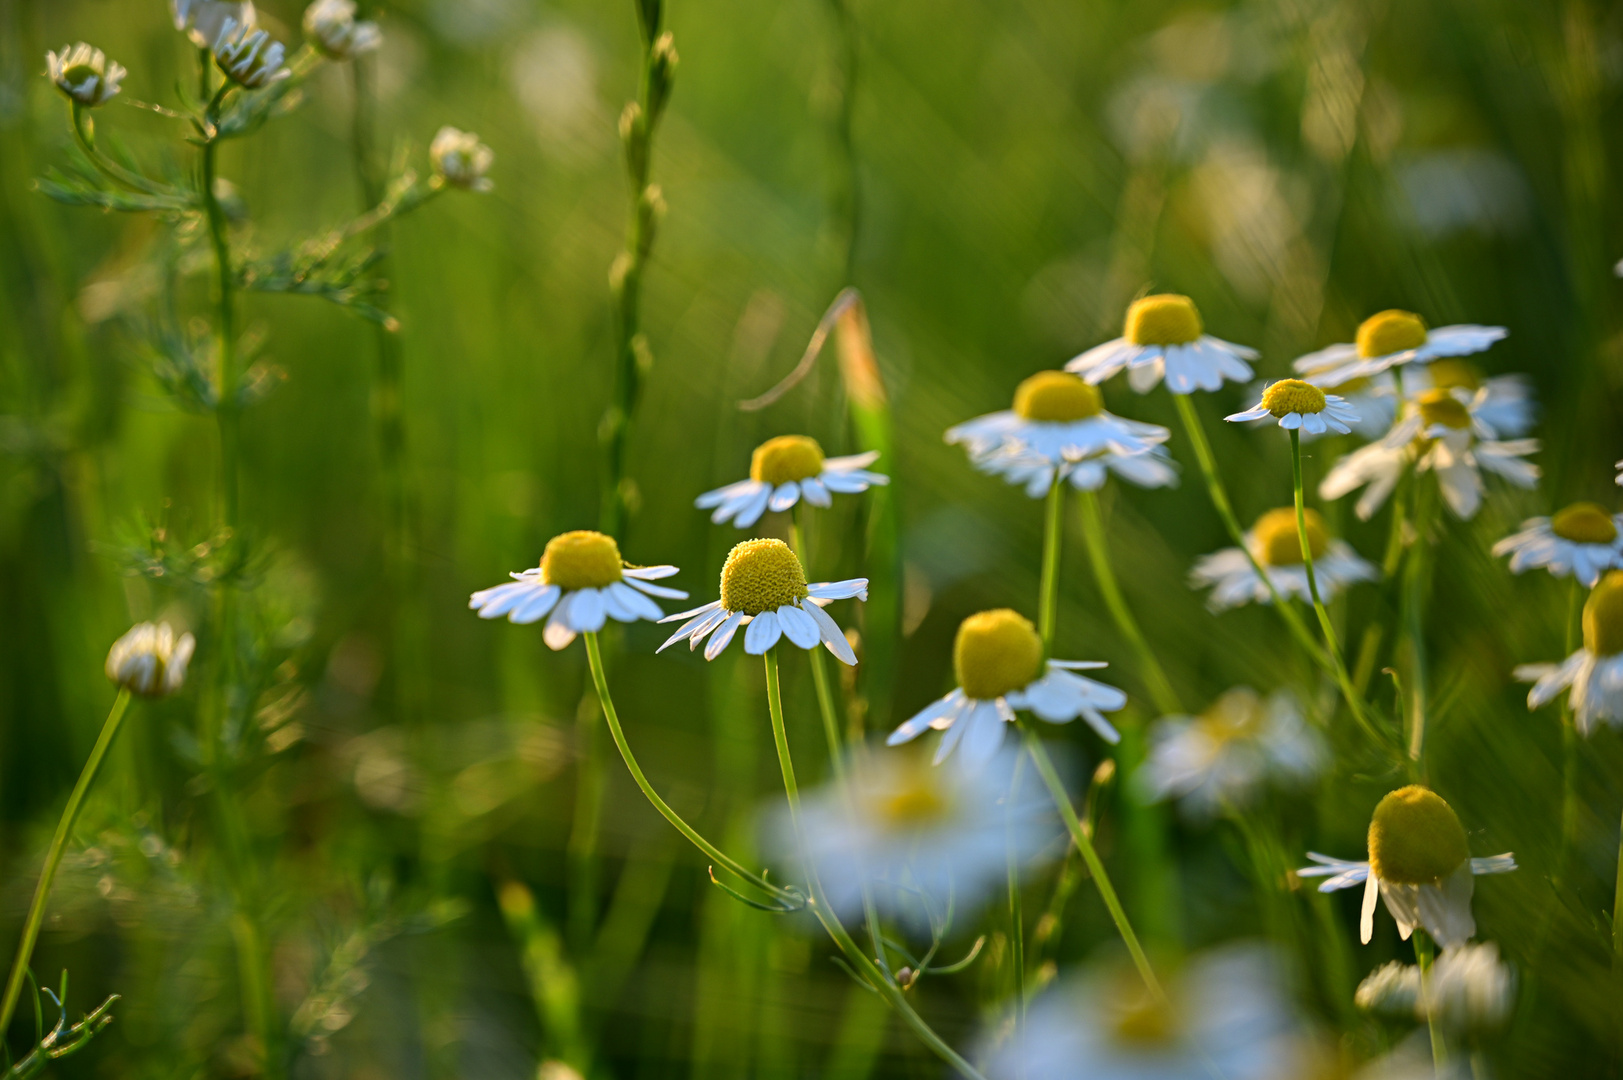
(1098, 545)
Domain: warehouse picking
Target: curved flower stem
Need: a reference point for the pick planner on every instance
(1048, 590)
(1414, 586)
(53, 856)
(819, 669)
(1423, 955)
(1084, 843)
(1093, 534)
(877, 979)
(84, 133)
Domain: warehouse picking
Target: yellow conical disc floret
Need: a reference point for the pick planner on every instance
(1389, 332)
(1277, 543)
(996, 653)
(1584, 523)
(1293, 396)
(917, 797)
(581, 560)
(1057, 396)
(1163, 319)
(785, 459)
(1415, 838)
(1239, 714)
(1603, 616)
(1451, 374)
(1442, 407)
(761, 575)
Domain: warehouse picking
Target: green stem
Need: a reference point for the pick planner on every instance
(1414, 623)
(1423, 956)
(1017, 922)
(1048, 590)
(1093, 534)
(819, 668)
(1569, 747)
(225, 410)
(53, 857)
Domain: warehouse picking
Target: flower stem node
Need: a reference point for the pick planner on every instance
(150, 660)
(1415, 838)
(1057, 397)
(1390, 332)
(786, 459)
(761, 575)
(582, 559)
(1163, 319)
(1277, 542)
(1603, 616)
(84, 74)
(1438, 406)
(1293, 396)
(995, 653)
(1584, 523)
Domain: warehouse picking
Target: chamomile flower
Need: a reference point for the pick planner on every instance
(1419, 863)
(1163, 338)
(331, 27)
(764, 588)
(1301, 405)
(998, 658)
(581, 582)
(1440, 432)
(1218, 760)
(1580, 541)
(1374, 397)
(1059, 422)
(84, 74)
(785, 470)
(150, 660)
(907, 833)
(1391, 339)
(1468, 989)
(461, 160)
(202, 20)
(1503, 404)
(248, 56)
(1595, 672)
(1277, 546)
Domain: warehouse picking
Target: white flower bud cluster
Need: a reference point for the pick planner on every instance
(150, 660)
(249, 56)
(461, 160)
(331, 27)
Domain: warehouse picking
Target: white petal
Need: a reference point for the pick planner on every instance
(649, 573)
(925, 718)
(655, 590)
(798, 626)
(1366, 913)
(724, 634)
(633, 602)
(535, 605)
(752, 511)
(832, 635)
(785, 496)
(588, 611)
(839, 590)
(1256, 412)
(559, 633)
(984, 735)
(815, 492)
(763, 633)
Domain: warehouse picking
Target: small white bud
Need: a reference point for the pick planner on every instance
(331, 27)
(249, 56)
(202, 20)
(150, 660)
(84, 74)
(461, 160)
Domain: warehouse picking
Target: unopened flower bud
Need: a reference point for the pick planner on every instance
(331, 28)
(461, 160)
(150, 660)
(202, 20)
(83, 73)
(248, 56)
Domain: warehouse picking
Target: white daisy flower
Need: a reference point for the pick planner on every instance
(581, 582)
(202, 20)
(1277, 546)
(1059, 422)
(1468, 989)
(331, 27)
(763, 587)
(782, 472)
(905, 833)
(998, 657)
(84, 74)
(461, 160)
(248, 56)
(1390, 339)
(150, 660)
(1298, 405)
(1374, 397)
(1504, 404)
(1595, 672)
(1580, 541)
(1419, 863)
(1229, 1015)
(1163, 339)
(1218, 760)
(1440, 433)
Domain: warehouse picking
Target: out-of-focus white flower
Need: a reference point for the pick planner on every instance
(1059, 423)
(784, 470)
(1595, 672)
(331, 27)
(249, 56)
(150, 660)
(84, 74)
(582, 581)
(1219, 759)
(1298, 405)
(763, 586)
(1502, 405)
(999, 661)
(1390, 339)
(1619, 468)
(1581, 541)
(1468, 989)
(1419, 863)
(461, 160)
(1164, 339)
(1228, 1015)
(913, 836)
(1277, 547)
(202, 20)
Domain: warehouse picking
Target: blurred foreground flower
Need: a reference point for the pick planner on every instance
(1059, 422)
(1595, 672)
(784, 470)
(1580, 541)
(202, 20)
(461, 160)
(84, 74)
(582, 581)
(1164, 339)
(1421, 865)
(331, 27)
(998, 658)
(1504, 403)
(1301, 406)
(150, 660)
(1390, 339)
(249, 56)
(1468, 989)
(764, 587)
(1277, 547)
(1216, 761)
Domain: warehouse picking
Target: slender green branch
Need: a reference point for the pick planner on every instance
(1423, 956)
(819, 669)
(1093, 534)
(1048, 588)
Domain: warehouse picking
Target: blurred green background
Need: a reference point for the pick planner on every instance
(1022, 170)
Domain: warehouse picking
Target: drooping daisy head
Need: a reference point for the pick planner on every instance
(783, 470)
(1415, 838)
(84, 74)
(582, 581)
(1277, 546)
(1163, 338)
(248, 56)
(1582, 541)
(1594, 672)
(150, 660)
(1301, 405)
(461, 160)
(1390, 339)
(330, 26)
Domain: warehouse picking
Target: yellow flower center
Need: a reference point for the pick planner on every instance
(1293, 396)
(581, 560)
(1415, 838)
(1451, 374)
(1584, 523)
(915, 799)
(1390, 332)
(1139, 1020)
(996, 652)
(1238, 714)
(1353, 386)
(1441, 407)
(761, 575)
(1277, 543)
(786, 458)
(1163, 319)
(1603, 616)
(78, 73)
(1057, 396)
